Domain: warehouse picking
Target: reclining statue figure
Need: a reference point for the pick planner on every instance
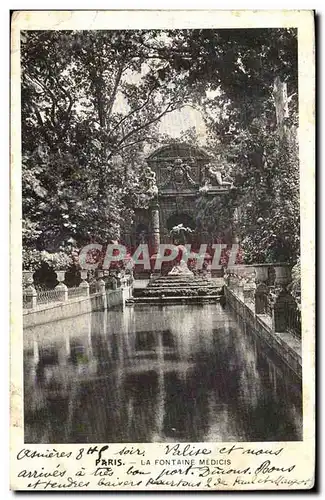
(213, 176)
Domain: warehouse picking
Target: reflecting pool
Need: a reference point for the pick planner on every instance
(156, 374)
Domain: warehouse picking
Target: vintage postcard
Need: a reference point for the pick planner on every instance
(162, 250)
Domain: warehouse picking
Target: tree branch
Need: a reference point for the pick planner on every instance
(134, 142)
(52, 96)
(132, 112)
(71, 103)
(113, 95)
(145, 125)
(40, 122)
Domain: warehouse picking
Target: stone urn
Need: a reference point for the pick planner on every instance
(84, 274)
(28, 278)
(233, 281)
(60, 276)
(282, 275)
(261, 273)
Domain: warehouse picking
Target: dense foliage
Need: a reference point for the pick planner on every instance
(252, 133)
(91, 101)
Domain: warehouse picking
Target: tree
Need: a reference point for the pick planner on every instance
(269, 223)
(90, 100)
(252, 131)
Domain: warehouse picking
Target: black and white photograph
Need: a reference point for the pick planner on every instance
(161, 247)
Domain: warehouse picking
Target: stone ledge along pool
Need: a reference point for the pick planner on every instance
(176, 373)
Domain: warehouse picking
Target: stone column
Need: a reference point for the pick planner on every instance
(155, 228)
(234, 223)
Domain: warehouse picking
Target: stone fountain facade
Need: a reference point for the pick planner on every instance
(183, 173)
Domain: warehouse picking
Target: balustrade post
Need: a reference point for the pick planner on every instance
(241, 288)
(261, 299)
(31, 295)
(249, 288)
(84, 284)
(29, 290)
(61, 287)
(101, 287)
(284, 304)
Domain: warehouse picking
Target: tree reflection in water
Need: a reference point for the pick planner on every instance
(156, 374)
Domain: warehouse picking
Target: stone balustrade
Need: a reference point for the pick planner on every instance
(105, 280)
(264, 287)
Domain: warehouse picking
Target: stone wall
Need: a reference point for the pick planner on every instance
(284, 344)
(56, 311)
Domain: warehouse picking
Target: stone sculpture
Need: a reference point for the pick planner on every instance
(214, 176)
(181, 269)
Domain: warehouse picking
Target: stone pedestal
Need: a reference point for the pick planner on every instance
(85, 287)
(84, 284)
(63, 289)
(261, 299)
(102, 290)
(29, 293)
(101, 286)
(284, 308)
(155, 273)
(249, 293)
(31, 296)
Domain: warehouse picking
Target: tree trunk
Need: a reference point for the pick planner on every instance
(281, 104)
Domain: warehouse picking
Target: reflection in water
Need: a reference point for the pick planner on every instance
(156, 374)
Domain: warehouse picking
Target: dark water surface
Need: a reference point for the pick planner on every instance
(156, 374)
